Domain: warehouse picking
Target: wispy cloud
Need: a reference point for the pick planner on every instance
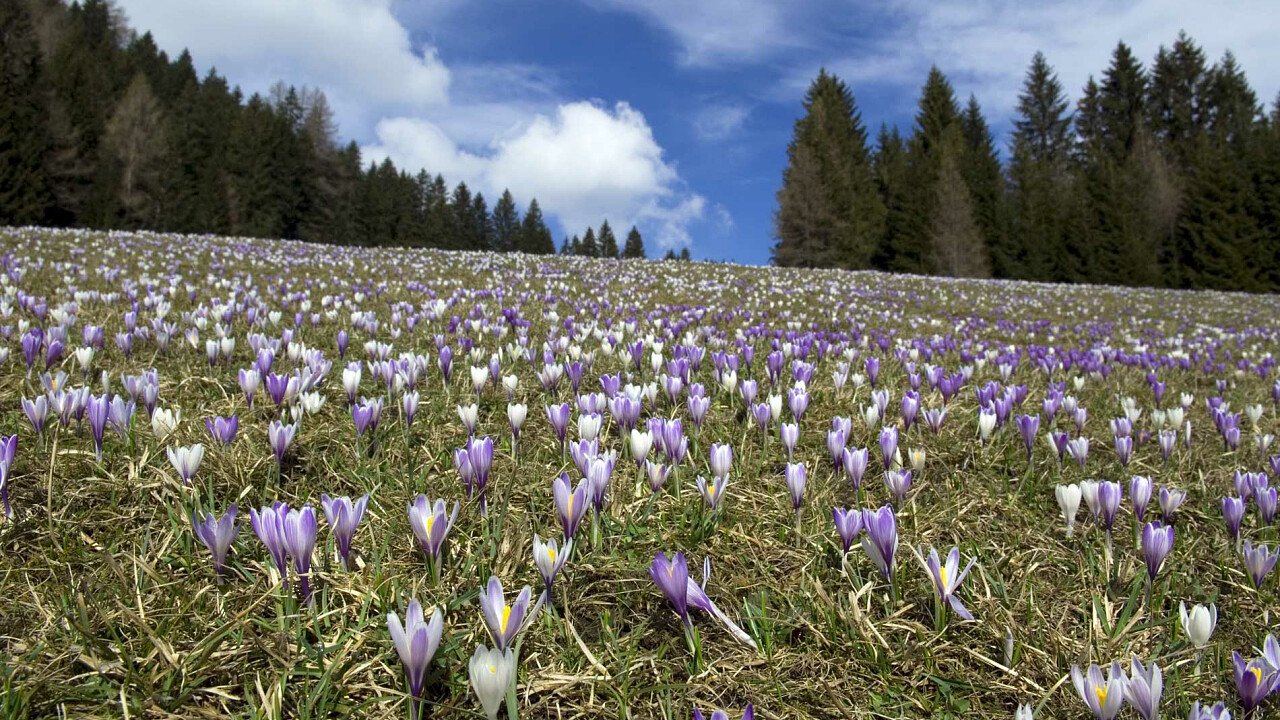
(718, 121)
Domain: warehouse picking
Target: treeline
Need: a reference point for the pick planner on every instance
(99, 128)
(1161, 176)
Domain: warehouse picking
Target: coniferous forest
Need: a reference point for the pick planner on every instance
(1165, 174)
(99, 128)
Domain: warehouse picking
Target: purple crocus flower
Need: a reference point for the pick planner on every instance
(795, 477)
(571, 503)
(1259, 560)
(280, 437)
(1233, 514)
(671, 575)
(1255, 680)
(899, 484)
(1168, 439)
(300, 540)
(1144, 688)
(789, 433)
(249, 380)
(855, 465)
(1170, 500)
(343, 516)
(480, 454)
(848, 525)
(947, 578)
(888, 445)
(721, 459)
(1267, 499)
(1217, 711)
(97, 411)
(223, 429)
(558, 416)
(1104, 697)
(657, 474)
(416, 643)
(8, 451)
(712, 492)
(217, 534)
(431, 524)
(549, 558)
(504, 621)
(748, 714)
(268, 525)
(1124, 449)
(1140, 490)
(798, 402)
(37, 412)
(761, 413)
(1157, 543)
(1028, 427)
(364, 417)
(1109, 496)
(880, 541)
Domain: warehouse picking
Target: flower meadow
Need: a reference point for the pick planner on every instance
(252, 478)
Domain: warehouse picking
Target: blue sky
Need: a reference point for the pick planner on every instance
(670, 114)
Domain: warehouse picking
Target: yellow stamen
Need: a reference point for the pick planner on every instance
(570, 512)
(1102, 695)
(711, 489)
(552, 553)
(1257, 674)
(493, 669)
(431, 519)
(506, 615)
(942, 575)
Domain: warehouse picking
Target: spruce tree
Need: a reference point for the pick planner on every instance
(828, 155)
(938, 112)
(24, 141)
(889, 166)
(506, 224)
(464, 232)
(980, 167)
(1039, 177)
(634, 247)
(1175, 97)
(535, 236)
(608, 243)
(588, 246)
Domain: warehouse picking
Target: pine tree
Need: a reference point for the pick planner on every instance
(1175, 101)
(464, 229)
(24, 140)
(506, 224)
(685, 255)
(535, 237)
(889, 166)
(828, 156)
(608, 243)
(588, 247)
(937, 114)
(482, 229)
(980, 167)
(634, 247)
(1039, 178)
(805, 222)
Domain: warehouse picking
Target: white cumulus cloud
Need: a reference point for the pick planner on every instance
(584, 161)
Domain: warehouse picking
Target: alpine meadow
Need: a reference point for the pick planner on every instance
(291, 427)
